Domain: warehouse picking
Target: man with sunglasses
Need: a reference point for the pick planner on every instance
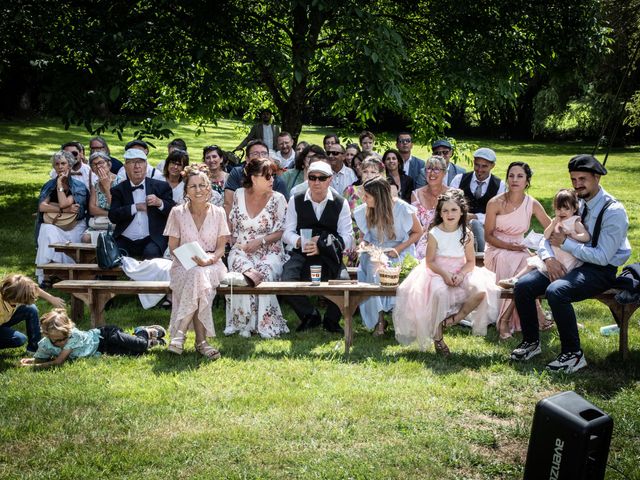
(329, 217)
(479, 187)
(256, 149)
(343, 176)
(413, 166)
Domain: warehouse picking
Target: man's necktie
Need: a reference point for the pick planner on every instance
(585, 212)
(141, 186)
(478, 192)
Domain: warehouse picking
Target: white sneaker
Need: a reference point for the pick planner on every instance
(525, 351)
(568, 362)
(465, 323)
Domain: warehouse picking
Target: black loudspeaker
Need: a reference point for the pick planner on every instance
(569, 440)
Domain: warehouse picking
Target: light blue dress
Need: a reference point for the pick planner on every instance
(81, 343)
(402, 223)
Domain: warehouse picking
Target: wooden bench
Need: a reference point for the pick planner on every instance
(621, 313)
(347, 296)
(80, 252)
(77, 271)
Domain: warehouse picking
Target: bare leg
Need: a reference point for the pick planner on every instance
(177, 342)
(202, 346)
(504, 322)
(510, 282)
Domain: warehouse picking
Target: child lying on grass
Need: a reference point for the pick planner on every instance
(62, 340)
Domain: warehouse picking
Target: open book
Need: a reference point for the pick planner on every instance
(532, 240)
(185, 252)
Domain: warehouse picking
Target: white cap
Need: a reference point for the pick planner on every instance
(485, 153)
(320, 167)
(135, 153)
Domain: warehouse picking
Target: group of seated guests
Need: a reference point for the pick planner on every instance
(356, 206)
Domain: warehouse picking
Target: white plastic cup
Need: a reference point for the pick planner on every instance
(610, 330)
(305, 234)
(316, 274)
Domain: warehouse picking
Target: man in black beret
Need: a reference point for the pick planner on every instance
(606, 220)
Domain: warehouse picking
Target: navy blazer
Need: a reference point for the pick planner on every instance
(120, 211)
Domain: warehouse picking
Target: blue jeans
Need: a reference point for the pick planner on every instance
(577, 285)
(10, 338)
(477, 228)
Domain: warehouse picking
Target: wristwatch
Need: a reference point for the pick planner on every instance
(61, 189)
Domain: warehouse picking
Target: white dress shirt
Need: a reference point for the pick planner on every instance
(455, 183)
(345, 226)
(139, 226)
(343, 179)
(288, 162)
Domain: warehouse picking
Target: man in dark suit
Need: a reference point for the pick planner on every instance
(139, 209)
(413, 166)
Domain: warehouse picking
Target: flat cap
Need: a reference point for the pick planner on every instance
(485, 153)
(442, 143)
(586, 163)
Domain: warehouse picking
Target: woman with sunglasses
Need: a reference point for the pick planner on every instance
(425, 199)
(256, 222)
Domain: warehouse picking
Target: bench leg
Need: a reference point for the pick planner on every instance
(622, 314)
(77, 309)
(347, 303)
(97, 301)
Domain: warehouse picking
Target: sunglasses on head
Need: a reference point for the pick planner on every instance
(318, 178)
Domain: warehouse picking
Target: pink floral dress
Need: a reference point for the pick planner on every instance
(425, 216)
(247, 314)
(193, 290)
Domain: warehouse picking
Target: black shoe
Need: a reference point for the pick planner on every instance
(332, 326)
(309, 322)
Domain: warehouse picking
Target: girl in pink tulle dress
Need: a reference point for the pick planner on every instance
(447, 286)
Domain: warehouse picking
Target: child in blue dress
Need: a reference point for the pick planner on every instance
(391, 225)
(63, 341)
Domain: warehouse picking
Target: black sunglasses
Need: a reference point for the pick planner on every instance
(321, 178)
(333, 154)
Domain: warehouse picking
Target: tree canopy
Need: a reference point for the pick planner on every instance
(109, 63)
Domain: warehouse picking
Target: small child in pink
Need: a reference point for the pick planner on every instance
(566, 205)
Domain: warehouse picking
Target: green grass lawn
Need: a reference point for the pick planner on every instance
(296, 407)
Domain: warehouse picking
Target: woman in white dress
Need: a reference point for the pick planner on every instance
(256, 220)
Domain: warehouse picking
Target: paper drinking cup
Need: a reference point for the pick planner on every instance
(316, 274)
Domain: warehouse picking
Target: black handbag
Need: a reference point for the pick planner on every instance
(108, 254)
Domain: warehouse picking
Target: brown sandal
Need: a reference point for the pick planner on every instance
(380, 327)
(441, 347)
(450, 321)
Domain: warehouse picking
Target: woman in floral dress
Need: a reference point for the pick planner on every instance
(425, 199)
(257, 220)
(193, 290)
